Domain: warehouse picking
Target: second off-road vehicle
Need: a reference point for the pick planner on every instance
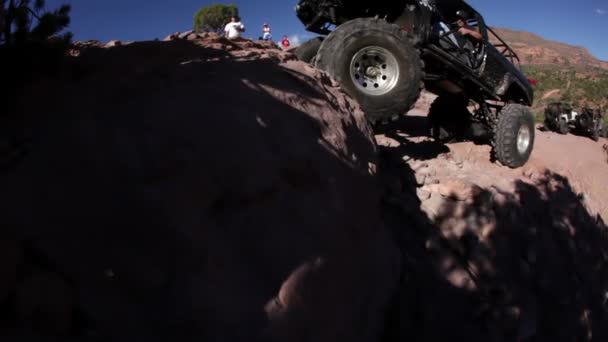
(383, 52)
(559, 117)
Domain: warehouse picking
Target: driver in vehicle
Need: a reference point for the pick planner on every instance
(468, 37)
(472, 33)
(462, 36)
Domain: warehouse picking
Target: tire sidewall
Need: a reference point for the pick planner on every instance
(597, 130)
(562, 127)
(596, 133)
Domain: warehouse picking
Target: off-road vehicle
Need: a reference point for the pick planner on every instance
(383, 52)
(559, 117)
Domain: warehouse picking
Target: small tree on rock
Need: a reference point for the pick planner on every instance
(214, 17)
(30, 45)
(22, 20)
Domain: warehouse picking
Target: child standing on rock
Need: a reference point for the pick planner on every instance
(266, 34)
(285, 43)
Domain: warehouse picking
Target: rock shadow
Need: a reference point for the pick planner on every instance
(531, 265)
(179, 192)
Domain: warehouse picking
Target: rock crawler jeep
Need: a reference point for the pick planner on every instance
(559, 117)
(384, 52)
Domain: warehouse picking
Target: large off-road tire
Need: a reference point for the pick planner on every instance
(598, 127)
(307, 51)
(376, 63)
(562, 127)
(514, 135)
(449, 118)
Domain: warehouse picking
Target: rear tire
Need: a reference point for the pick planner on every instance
(550, 124)
(449, 118)
(376, 63)
(562, 127)
(514, 135)
(596, 132)
(307, 51)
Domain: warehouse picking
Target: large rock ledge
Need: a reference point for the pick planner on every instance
(194, 189)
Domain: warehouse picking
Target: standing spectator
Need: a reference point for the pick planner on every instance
(234, 28)
(285, 43)
(267, 35)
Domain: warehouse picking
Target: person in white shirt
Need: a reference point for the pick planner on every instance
(234, 28)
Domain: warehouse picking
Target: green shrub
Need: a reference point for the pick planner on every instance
(214, 17)
(577, 85)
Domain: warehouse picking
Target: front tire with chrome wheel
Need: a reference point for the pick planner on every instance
(514, 135)
(376, 63)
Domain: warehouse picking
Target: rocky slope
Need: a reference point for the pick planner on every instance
(206, 189)
(498, 254)
(533, 49)
(193, 190)
(584, 167)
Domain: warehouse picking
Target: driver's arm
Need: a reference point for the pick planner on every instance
(473, 32)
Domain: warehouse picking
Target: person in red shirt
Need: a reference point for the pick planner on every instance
(285, 43)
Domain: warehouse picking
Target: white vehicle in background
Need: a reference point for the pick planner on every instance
(561, 118)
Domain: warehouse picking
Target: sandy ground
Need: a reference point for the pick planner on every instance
(578, 158)
(521, 253)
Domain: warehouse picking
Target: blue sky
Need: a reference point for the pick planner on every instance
(581, 23)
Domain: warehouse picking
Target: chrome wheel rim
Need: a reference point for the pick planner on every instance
(374, 70)
(523, 139)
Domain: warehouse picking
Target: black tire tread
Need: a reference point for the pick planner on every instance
(562, 127)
